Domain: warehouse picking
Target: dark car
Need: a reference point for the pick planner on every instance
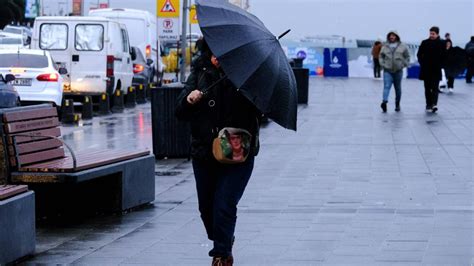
(142, 69)
(8, 95)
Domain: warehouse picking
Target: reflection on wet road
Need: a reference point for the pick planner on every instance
(131, 129)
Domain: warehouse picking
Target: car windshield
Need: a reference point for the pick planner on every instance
(23, 60)
(12, 30)
(6, 40)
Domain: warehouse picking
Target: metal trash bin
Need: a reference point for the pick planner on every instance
(298, 62)
(171, 138)
(302, 83)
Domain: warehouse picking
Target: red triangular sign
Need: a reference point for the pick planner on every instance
(168, 7)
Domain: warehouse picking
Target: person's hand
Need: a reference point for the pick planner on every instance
(194, 97)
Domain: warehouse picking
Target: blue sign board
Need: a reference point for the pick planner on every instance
(335, 62)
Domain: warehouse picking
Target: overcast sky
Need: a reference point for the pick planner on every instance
(363, 19)
(368, 19)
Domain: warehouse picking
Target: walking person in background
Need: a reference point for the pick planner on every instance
(394, 56)
(449, 62)
(470, 60)
(455, 63)
(375, 55)
(431, 55)
(447, 36)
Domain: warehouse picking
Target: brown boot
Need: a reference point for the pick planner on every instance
(222, 261)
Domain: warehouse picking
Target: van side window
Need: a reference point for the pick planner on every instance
(53, 36)
(89, 37)
(125, 44)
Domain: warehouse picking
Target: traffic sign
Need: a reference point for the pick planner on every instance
(193, 19)
(168, 8)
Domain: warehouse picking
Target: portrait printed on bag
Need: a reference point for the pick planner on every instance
(236, 145)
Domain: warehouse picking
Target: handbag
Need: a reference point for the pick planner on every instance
(232, 145)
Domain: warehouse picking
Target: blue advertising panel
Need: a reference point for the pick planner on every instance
(335, 62)
(313, 58)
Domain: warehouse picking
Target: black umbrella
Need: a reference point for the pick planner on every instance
(252, 58)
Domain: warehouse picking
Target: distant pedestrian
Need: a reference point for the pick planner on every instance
(470, 60)
(449, 57)
(375, 55)
(394, 56)
(447, 36)
(431, 55)
(454, 65)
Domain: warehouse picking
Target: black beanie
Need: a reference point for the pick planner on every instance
(435, 29)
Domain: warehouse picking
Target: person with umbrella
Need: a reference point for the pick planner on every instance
(242, 73)
(219, 186)
(455, 63)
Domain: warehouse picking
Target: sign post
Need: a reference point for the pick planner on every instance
(168, 19)
(183, 43)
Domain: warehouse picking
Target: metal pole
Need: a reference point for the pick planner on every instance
(183, 42)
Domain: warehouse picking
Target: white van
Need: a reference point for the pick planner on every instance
(95, 51)
(143, 32)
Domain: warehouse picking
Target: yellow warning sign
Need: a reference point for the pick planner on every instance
(193, 18)
(167, 8)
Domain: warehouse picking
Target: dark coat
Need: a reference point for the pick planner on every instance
(231, 109)
(456, 61)
(431, 56)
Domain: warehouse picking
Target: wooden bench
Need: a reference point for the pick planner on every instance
(17, 223)
(34, 154)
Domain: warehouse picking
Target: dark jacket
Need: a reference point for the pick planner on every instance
(231, 109)
(470, 48)
(431, 56)
(456, 61)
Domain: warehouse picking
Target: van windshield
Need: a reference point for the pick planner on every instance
(136, 30)
(23, 60)
(53, 36)
(89, 37)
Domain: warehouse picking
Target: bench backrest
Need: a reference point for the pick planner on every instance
(28, 136)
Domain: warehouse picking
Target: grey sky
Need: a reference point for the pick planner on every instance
(363, 19)
(368, 18)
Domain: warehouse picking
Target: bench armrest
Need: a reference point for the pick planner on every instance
(73, 155)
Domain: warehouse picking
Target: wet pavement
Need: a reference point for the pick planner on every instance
(354, 186)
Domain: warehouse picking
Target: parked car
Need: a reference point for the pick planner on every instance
(142, 69)
(36, 78)
(142, 30)
(25, 32)
(11, 41)
(94, 50)
(8, 95)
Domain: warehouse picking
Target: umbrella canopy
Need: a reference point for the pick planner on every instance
(252, 58)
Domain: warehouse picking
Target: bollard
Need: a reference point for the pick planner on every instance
(67, 112)
(118, 102)
(141, 94)
(148, 90)
(131, 98)
(87, 108)
(104, 104)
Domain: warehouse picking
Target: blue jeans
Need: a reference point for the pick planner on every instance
(219, 188)
(395, 79)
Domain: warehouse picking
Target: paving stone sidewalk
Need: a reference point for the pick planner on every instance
(353, 186)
